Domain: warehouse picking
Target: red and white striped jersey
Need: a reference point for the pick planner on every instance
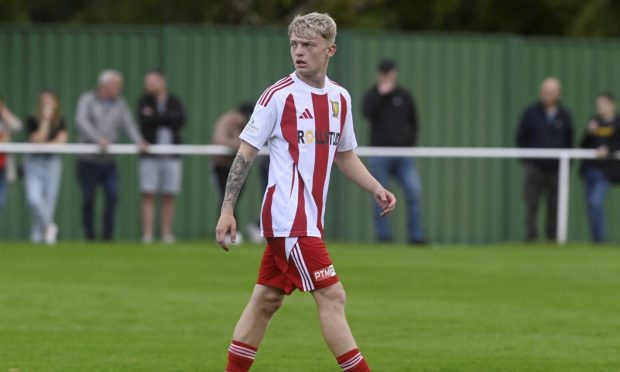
(304, 127)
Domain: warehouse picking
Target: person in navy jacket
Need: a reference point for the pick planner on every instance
(544, 124)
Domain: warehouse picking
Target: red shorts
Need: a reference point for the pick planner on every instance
(299, 262)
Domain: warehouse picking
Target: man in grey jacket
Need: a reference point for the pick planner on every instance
(99, 117)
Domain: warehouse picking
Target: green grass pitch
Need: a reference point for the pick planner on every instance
(130, 307)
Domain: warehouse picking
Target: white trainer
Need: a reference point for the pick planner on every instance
(51, 234)
(168, 239)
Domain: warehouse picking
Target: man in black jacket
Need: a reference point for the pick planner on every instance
(545, 124)
(603, 134)
(162, 117)
(394, 122)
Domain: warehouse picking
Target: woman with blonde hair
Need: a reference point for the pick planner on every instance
(43, 170)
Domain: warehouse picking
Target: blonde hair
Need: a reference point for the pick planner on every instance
(312, 25)
(56, 115)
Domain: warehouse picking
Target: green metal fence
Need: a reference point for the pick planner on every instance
(470, 90)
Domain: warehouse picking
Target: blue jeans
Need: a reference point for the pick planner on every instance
(2, 188)
(596, 190)
(42, 186)
(90, 176)
(403, 169)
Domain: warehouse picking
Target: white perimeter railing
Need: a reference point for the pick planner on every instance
(563, 155)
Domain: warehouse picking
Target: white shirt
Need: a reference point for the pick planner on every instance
(304, 127)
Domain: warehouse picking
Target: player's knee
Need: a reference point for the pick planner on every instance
(340, 298)
(270, 303)
(336, 298)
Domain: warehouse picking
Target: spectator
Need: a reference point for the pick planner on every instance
(603, 134)
(391, 111)
(544, 124)
(100, 115)
(162, 117)
(43, 170)
(8, 123)
(227, 129)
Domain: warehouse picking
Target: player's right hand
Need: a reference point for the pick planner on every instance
(225, 226)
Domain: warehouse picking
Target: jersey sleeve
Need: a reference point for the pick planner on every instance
(261, 125)
(347, 137)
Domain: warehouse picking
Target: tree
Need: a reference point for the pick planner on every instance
(549, 17)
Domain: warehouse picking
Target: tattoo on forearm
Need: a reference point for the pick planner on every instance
(236, 178)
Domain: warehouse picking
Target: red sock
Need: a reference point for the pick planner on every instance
(353, 361)
(240, 357)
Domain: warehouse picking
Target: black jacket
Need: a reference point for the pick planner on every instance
(173, 117)
(393, 117)
(607, 134)
(535, 131)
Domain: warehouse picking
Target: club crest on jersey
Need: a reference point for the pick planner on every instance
(325, 273)
(335, 108)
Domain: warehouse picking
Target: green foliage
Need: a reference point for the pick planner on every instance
(130, 307)
(550, 17)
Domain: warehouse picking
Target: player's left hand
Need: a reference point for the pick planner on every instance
(386, 200)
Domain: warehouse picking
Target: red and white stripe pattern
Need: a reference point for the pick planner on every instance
(280, 84)
(353, 362)
(300, 265)
(242, 350)
(305, 128)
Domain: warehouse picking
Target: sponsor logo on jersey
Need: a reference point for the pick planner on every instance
(310, 137)
(251, 127)
(325, 273)
(335, 108)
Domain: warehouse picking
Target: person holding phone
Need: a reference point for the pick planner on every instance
(43, 171)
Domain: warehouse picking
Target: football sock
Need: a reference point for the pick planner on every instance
(353, 361)
(240, 357)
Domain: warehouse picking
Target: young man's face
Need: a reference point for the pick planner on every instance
(310, 56)
(387, 77)
(154, 84)
(605, 106)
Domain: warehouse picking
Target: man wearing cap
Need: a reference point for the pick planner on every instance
(394, 122)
